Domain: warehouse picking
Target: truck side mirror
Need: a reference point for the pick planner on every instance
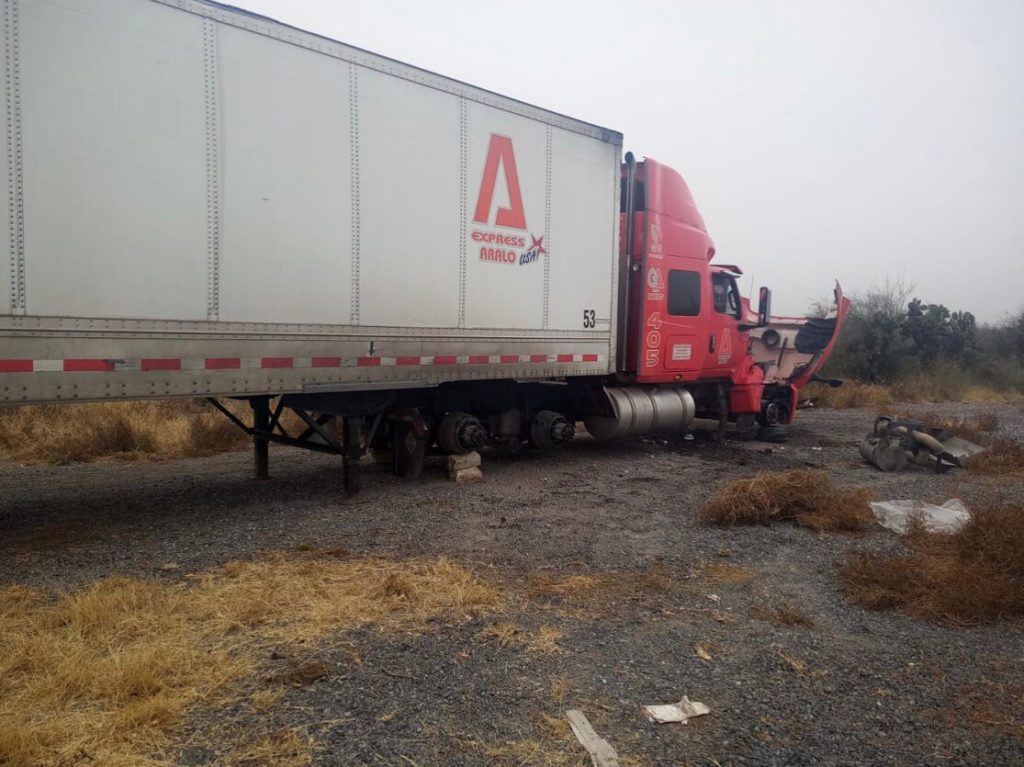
(764, 307)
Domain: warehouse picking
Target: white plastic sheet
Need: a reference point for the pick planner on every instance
(895, 515)
(681, 712)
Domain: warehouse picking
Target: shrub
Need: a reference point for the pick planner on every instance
(971, 576)
(1003, 457)
(809, 498)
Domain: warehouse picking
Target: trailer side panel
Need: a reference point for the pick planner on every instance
(217, 204)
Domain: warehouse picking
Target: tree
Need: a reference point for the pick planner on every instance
(937, 332)
(872, 343)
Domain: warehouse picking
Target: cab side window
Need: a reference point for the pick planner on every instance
(683, 293)
(726, 295)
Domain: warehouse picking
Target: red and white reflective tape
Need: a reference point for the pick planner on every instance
(159, 364)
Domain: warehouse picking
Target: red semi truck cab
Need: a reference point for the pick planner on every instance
(683, 320)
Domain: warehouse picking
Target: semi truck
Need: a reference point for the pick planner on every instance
(200, 202)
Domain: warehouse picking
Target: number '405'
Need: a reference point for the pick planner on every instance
(589, 320)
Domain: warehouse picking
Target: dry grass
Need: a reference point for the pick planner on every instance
(809, 498)
(104, 675)
(717, 573)
(587, 589)
(976, 428)
(971, 576)
(507, 634)
(980, 393)
(124, 430)
(559, 689)
(504, 634)
(1002, 458)
(262, 701)
(992, 701)
(571, 588)
(548, 752)
(285, 747)
(553, 745)
(918, 388)
(546, 640)
(850, 394)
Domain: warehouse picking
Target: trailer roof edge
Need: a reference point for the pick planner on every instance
(264, 25)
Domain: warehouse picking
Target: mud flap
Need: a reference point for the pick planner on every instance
(409, 442)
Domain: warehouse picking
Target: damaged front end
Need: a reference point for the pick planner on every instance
(791, 351)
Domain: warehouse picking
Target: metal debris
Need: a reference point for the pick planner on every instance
(893, 443)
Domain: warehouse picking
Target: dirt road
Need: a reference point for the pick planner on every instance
(794, 673)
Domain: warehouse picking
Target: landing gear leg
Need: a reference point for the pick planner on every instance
(352, 441)
(261, 425)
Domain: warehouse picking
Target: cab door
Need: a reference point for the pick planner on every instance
(685, 330)
(726, 344)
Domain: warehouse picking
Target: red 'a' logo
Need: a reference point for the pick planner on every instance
(500, 152)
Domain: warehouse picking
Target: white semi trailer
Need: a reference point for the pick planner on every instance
(201, 202)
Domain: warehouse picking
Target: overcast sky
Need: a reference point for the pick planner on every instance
(855, 140)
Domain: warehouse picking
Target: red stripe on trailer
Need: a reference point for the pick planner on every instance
(269, 363)
(16, 366)
(161, 364)
(223, 363)
(88, 366)
(277, 362)
(326, 362)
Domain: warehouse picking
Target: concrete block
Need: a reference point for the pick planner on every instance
(460, 462)
(462, 476)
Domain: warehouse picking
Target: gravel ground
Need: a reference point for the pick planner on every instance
(856, 687)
